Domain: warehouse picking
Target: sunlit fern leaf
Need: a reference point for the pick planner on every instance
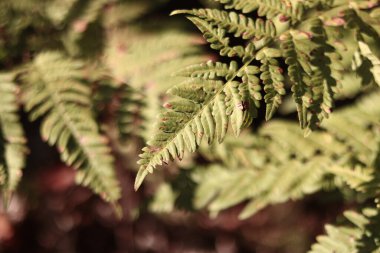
(309, 71)
(299, 71)
(272, 78)
(190, 118)
(323, 82)
(12, 140)
(268, 8)
(54, 91)
(232, 22)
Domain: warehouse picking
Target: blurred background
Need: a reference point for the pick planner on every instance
(134, 43)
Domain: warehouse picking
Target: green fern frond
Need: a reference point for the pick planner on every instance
(311, 86)
(162, 59)
(273, 80)
(236, 92)
(279, 164)
(190, 118)
(12, 140)
(54, 91)
(220, 188)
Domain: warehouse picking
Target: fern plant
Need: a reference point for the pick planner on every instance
(66, 82)
(271, 50)
(94, 74)
(293, 46)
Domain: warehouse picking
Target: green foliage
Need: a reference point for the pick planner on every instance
(12, 140)
(278, 164)
(53, 90)
(93, 75)
(73, 77)
(357, 235)
(218, 94)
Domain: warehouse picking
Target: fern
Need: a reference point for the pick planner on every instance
(278, 164)
(357, 235)
(217, 94)
(161, 60)
(268, 8)
(54, 92)
(221, 188)
(12, 140)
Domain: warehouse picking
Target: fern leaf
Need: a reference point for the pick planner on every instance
(299, 71)
(53, 91)
(203, 109)
(220, 188)
(218, 40)
(273, 80)
(209, 70)
(268, 8)
(12, 140)
(232, 22)
(309, 71)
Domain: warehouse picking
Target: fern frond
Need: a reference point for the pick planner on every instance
(205, 114)
(220, 188)
(279, 164)
(163, 57)
(309, 71)
(358, 235)
(54, 92)
(273, 80)
(215, 95)
(12, 140)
